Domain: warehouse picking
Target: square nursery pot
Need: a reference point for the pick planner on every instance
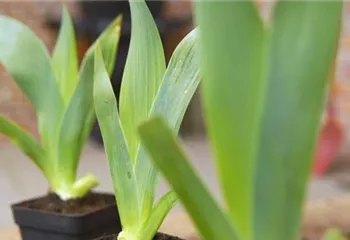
(49, 218)
(158, 236)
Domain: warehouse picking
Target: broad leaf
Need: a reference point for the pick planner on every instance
(143, 73)
(232, 50)
(302, 48)
(79, 117)
(116, 148)
(170, 159)
(64, 58)
(180, 82)
(159, 212)
(27, 60)
(25, 142)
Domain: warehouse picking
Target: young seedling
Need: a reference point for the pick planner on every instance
(61, 95)
(263, 92)
(148, 88)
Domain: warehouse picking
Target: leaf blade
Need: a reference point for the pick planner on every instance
(159, 212)
(169, 158)
(233, 87)
(289, 130)
(179, 84)
(116, 148)
(143, 72)
(24, 141)
(80, 116)
(64, 58)
(33, 74)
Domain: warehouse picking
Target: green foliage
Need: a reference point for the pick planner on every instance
(61, 96)
(263, 93)
(148, 89)
(333, 234)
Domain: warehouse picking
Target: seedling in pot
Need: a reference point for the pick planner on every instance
(148, 88)
(61, 96)
(263, 93)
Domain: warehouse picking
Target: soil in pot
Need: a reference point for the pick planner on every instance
(51, 218)
(52, 203)
(158, 236)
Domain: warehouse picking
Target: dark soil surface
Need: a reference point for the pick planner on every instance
(159, 236)
(52, 203)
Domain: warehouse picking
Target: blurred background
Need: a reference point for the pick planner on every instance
(19, 178)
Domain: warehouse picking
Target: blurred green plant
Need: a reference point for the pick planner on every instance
(333, 234)
(61, 95)
(148, 88)
(263, 92)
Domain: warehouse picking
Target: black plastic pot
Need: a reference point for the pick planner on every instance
(36, 224)
(158, 236)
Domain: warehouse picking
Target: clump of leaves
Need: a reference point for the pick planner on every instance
(263, 92)
(148, 88)
(61, 95)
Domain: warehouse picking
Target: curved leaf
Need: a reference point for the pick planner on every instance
(25, 142)
(80, 116)
(116, 148)
(180, 82)
(27, 60)
(170, 159)
(143, 73)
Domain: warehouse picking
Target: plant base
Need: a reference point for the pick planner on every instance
(49, 218)
(158, 236)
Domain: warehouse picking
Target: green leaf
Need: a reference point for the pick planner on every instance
(116, 148)
(159, 212)
(301, 53)
(80, 116)
(25, 142)
(170, 159)
(180, 82)
(143, 73)
(333, 234)
(232, 50)
(25, 57)
(64, 58)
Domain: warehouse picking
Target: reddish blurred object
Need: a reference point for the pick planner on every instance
(330, 140)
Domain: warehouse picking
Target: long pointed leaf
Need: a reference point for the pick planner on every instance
(27, 60)
(26, 143)
(116, 148)
(143, 73)
(171, 160)
(302, 50)
(232, 48)
(64, 58)
(80, 115)
(159, 212)
(176, 91)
